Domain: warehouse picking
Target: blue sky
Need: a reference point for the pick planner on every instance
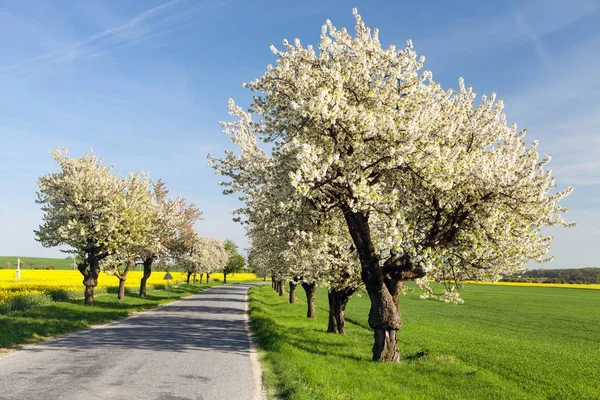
(144, 83)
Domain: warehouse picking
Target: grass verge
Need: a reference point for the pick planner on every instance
(503, 343)
(60, 317)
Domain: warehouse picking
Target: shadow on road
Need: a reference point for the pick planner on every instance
(201, 322)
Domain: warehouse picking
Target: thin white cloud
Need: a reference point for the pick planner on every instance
(528, 23)
(562, 111)
(142, 26)
(534, 39)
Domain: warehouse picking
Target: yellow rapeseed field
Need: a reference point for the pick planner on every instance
(34, 282)
(535, 284)
(44, 282)
(234, 277)
(9, 295)
(72, 280)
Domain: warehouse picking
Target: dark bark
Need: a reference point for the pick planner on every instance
(90, 271)
(122, 280)
(194, 277)
(293, 292)
(201, 276)
(311, 291)
(385, 347)
(224, 277)
(338, 299)
(121, 294)
(147, 272)
(281, 288)
(188, 277)
(384, 315)
(273, 284)
(207, 277)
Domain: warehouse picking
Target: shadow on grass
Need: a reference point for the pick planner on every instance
(270, 334)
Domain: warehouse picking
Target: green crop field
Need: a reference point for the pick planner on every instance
(10, 262)
(505, 342)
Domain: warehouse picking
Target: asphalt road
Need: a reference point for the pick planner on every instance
(195, 348)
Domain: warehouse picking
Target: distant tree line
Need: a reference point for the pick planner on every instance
(578, 275)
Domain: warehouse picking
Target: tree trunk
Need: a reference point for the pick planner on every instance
(201, 276)
(121, 294)
(281, 288)
(122, 280)
(188, 277)
(194, 279)
(384, 315)
(273, 284)
(147, 272)
(207, 277)
(338, 299)
(90, 277)
(293, 292)
(311, 291)
(224, 277)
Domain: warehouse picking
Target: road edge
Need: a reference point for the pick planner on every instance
(259, 388)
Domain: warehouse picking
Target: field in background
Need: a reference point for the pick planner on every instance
(10, 262)
(537, 284)
(40, 287)
(73, 279)
(237, 277)
(505, 342)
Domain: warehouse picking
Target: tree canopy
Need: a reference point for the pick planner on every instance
(430, 183)
(109, 220)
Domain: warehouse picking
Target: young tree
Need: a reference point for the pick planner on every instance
(138, 212)
(189, 260)
(181, 246)
(429, 184)
(236, 261)
(86, 208)
(167, 214)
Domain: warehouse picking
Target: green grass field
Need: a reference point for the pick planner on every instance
(504, 343)
(61, 317)
(10, 262)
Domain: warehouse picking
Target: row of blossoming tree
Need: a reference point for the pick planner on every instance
(109, 221)
(372, 174)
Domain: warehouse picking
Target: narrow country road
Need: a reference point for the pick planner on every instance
(196, 348)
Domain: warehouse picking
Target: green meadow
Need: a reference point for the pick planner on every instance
(505, 342)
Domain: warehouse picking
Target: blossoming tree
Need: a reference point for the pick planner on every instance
(181, 245)
(136, 210)
(288, 232)
(429, 183)
(91, 210)
(204, 256)
(169, 215)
